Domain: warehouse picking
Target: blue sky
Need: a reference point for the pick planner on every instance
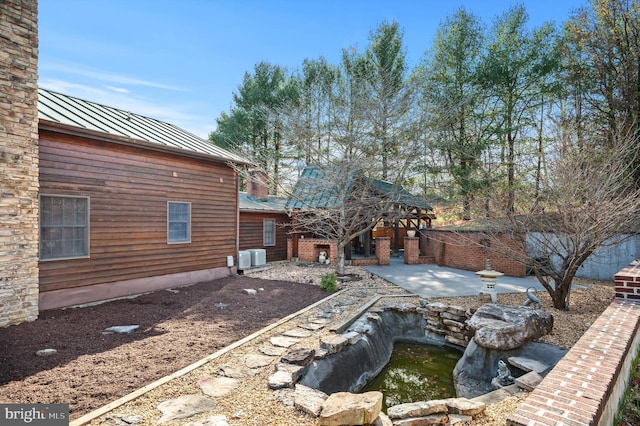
(181, 60)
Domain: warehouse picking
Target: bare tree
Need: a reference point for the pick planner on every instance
(588, 201)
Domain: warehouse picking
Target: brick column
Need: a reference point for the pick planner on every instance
(383, 250)
(627, 282)
(18, 161)
(411, 250)
(289, 248)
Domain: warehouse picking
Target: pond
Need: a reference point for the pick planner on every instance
(416, 373)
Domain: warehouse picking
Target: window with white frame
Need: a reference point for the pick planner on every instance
(178, 222)
(64, 227)
(269, 232)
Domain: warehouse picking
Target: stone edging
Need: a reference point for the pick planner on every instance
(139, 392)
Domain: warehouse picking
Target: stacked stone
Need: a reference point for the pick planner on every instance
(447, 321)
(18, 162)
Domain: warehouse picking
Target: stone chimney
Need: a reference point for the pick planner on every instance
(19, 231)
(257, 184)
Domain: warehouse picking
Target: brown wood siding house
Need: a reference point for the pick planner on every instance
(264, 222)
(128, 204)
(260, 219)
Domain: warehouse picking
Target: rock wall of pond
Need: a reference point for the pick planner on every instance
(370, 344)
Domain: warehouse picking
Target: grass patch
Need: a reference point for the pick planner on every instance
(629, 410)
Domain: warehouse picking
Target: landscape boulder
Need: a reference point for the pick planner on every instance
(504, 328)
(344, 408)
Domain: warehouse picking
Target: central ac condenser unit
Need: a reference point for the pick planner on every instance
(244, 260)
(258, 257)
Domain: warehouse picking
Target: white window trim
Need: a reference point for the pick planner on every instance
(264, 221)
(53, 259)
(188, 240)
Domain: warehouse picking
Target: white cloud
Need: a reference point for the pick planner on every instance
(103, 76)
(179, 113)
(118, 89)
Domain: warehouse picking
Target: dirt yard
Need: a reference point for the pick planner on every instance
(181, 326)
(177, 328)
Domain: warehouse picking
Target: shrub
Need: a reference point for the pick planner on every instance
(328, 282)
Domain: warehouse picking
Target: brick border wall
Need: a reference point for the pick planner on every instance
(469, 250)
(587, 385)
(309, 249)
(19, 233)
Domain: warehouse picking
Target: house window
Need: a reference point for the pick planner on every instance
(178, 222)
(269, 232)
(64, 227)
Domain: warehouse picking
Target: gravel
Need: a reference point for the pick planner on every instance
(254, 404)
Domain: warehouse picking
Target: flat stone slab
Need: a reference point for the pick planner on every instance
(46, 352)
(271, 350)
(297, 332)
(184, 407)
(250, 291)
(217, 386)
(431, 419)
(529, 381)
(280, 379)
(118, 419)
(382, 420)
(528, 364)
(309, 400)
(215, 420)
(234, 372)
(321, 321)
(333, 343)
(464, 406)
(301, 357)
(257, 361)
(344, 408)
(311, 326)
(121, 329)
(416, 409)
(459, 419)
(283, 341)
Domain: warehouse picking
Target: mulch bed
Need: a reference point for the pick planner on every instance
(177, 328)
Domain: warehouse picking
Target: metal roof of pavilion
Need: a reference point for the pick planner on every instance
(272, 203)
(308, 192)
(72, 111)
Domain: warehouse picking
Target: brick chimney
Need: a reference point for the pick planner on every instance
(257, 184)
(19, 162)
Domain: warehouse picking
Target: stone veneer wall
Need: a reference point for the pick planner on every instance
(587, 385)
(18, 161)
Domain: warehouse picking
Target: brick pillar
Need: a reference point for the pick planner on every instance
(411, 250)
(627, 282)
(289, 248)
(18, 161)
(383, 250)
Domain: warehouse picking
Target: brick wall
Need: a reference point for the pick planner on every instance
(309, 249)
(587, 385)
(469, 250)
(18, 162)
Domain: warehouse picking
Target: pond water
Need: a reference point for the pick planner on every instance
(416, 373)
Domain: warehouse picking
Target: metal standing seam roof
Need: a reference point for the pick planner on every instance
(272, 203)
(64, 109)
(308, 192)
